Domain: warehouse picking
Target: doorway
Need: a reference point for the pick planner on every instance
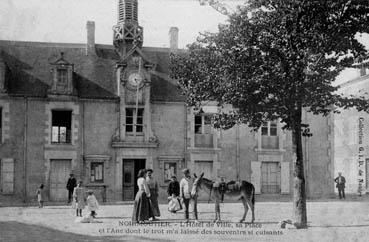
(59, 174)
(206, 167)
(270, 178)
(130, 171)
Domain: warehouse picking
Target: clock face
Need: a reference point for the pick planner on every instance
(135, 79)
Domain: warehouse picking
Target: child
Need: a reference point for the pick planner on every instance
(92, 203)
(79, 196)
(173, 192)
(40, 197)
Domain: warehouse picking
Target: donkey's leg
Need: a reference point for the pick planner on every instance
(252, 207)
(217, 211)
(245, 207)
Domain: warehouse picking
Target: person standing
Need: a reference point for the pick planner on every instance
(173, 187)
(340, 184)
(79, 195)
(154, 193)
(141, 208)
(40, 196)
(185, 193)
(71, 184)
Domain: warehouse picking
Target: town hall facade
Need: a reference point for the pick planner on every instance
(102, 112)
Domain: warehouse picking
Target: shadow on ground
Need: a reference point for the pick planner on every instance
(15, 231)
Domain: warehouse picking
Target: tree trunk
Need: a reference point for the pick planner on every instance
(299, 196)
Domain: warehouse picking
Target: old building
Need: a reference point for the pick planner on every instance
(351, 129)
(104, 112)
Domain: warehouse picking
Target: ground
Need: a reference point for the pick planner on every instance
(331, 220)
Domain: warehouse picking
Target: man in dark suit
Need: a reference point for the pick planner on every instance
(71, 184)
(340, 184)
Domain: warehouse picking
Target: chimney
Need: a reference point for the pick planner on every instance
(173, 39)
(90, 47)
(2, 74)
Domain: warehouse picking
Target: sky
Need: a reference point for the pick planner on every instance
(64, 21)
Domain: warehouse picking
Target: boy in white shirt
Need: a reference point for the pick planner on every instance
(185, 193)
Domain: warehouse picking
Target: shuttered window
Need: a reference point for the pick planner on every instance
(7, 176)
(1, 125)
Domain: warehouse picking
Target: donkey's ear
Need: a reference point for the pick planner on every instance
(194, 174)
(202, 174)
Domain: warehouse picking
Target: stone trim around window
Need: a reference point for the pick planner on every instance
(48, 123)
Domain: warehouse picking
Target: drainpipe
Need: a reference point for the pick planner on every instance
(238, 151)
(185, 135)
(83, 139)
(25, 148)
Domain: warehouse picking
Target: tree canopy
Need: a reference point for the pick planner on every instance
(273, 59)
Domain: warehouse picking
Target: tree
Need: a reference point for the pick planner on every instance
(273, 59)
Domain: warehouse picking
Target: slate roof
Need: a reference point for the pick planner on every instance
(29, 66)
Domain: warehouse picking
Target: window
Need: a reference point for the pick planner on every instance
(170, 169)
(269, 135)
(61, 126)
(97, 172)
(1, 124)
(203, 131)
(62, 76)
(203, 124)
(134, 123)
(269, 128)
(62, 80)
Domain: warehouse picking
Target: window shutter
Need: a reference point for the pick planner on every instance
(7, 176)
(285, 177)
(256, 175)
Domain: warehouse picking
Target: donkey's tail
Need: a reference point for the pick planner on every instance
(253, 195)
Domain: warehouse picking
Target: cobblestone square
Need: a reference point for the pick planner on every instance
(328, 221)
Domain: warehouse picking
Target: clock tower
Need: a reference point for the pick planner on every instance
(127, 32)
(133, 81)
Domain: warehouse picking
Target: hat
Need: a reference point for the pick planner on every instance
(186, 170)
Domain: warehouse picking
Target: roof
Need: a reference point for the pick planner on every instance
(29, 65)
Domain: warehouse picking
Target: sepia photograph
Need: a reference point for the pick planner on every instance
(184, 120)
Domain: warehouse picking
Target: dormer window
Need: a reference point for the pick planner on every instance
(62, 82)
(62, 76)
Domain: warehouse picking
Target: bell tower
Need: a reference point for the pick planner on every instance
(128, 34)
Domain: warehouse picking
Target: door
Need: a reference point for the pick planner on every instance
(204, 166)
(128, 180)
(207, 168)
(270, 178)
(130, 171)
(59, 174)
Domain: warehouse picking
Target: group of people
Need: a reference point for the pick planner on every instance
(77, 195)
(146, 206)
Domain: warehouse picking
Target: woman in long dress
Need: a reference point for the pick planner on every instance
(79, 194)
(154, 192)
(141, 208)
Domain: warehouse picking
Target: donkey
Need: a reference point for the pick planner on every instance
(244, 192)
